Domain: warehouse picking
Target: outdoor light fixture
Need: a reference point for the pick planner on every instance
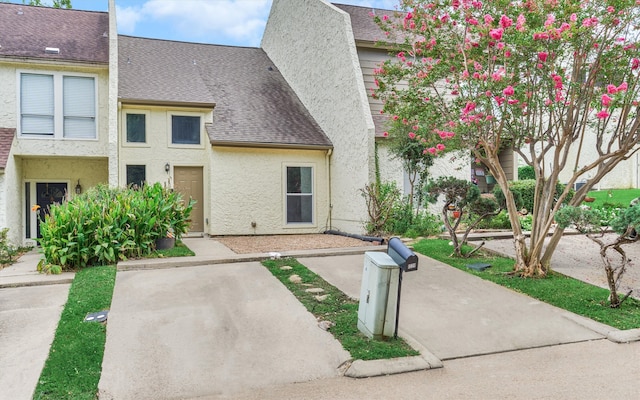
(167, 167)
(78, 187)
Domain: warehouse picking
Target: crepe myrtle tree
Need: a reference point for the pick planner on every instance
(546, 78)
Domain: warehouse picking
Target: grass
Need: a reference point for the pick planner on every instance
(339, 309)
(73, 368)
(621, 196)
(559, 290)
(179, 250)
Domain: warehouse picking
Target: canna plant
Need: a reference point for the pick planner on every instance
(105, 225)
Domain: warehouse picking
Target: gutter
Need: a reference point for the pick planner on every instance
(328, 166)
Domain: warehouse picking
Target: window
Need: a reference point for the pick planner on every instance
(36, 104)
(79, 107)
(58, 106)
(185, 129)
(136, 128)
(299, 195)
(136, 175)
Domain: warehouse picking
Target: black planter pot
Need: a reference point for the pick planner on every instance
(165, 243)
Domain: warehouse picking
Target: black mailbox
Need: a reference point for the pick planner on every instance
(402, 255)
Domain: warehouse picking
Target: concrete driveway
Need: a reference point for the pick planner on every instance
(28, 321)
(210, 330)
(454, 314)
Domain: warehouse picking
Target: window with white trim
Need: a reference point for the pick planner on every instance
(299, 196)
(58, 106)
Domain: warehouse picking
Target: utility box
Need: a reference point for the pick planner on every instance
(378, 295)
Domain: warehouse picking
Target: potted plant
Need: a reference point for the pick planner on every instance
(167, 242)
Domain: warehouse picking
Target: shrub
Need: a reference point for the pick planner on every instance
(524, 192)
(7, 250)
(105, 225)
(381, 200)
(526, 172)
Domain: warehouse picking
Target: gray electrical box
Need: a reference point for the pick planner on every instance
(378, 295)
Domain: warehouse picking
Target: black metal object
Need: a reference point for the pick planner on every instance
(407, 261)
(402, 255)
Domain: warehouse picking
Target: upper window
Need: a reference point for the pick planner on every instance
(299, 195)
(136, 128)
(185, 129)
(57, 105)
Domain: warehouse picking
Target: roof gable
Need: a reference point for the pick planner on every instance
(80, 36)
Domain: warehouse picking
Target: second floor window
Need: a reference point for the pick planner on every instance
(185, 129)
(57, 106)
(136, 128)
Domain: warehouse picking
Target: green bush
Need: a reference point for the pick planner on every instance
(524, 191)
(500, 221)
(526, 172)
(105, 225)
(7, 250)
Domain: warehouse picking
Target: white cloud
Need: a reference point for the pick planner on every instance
(127, 18)
(241, 20)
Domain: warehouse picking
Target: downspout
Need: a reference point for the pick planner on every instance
(327, 164)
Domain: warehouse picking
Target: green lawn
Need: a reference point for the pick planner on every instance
(73, 368)
(559, 290)
(617, 196)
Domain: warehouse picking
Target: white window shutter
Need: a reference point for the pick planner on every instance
(36, 104)
(79, 107)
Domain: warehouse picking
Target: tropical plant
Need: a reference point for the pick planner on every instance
(105, 225)
(544, 78)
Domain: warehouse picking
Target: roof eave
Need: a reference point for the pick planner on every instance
(52, 61)
(297, 146)
(191, 104)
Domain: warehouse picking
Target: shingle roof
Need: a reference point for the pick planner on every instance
(254, 105)
(6, 139)
(25, 31)
(362, 23)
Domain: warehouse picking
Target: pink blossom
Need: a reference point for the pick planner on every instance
(496, 33)
(602, 114)
(408, 16)
(385, 134)
(543, 56)
(540, 36)
(488, 93)
(488, 19)
(395, 117)
(432, 150)
(557, 79)
(610, 9)
(573, 17)
(513, 101)
(520, 23)
(588, 22)
(635, 63)
(623, 86)
(505, 22)
(415, 127)
(606, 100)
(500, 45)
(385, 17)
(612, 89)
(550, 20)
(508, 91)
(477, 66)
(547, 102)
(472, 21)
(440, 147)
(507, 53)
(470, 106)
(499, 100)
(412, 135)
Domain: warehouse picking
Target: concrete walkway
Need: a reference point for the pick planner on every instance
(217, 329)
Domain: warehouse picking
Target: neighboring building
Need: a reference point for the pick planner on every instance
(54, 123)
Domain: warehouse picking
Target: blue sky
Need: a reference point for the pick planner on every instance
(228, 22)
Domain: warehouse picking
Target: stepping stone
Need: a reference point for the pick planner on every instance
(295, 278)
(314, 290)
(321, 297)
(286, 268)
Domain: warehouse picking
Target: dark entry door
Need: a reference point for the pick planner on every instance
(47, 194)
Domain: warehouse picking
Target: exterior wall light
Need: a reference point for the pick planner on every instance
(167, 167)
(78, 187)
